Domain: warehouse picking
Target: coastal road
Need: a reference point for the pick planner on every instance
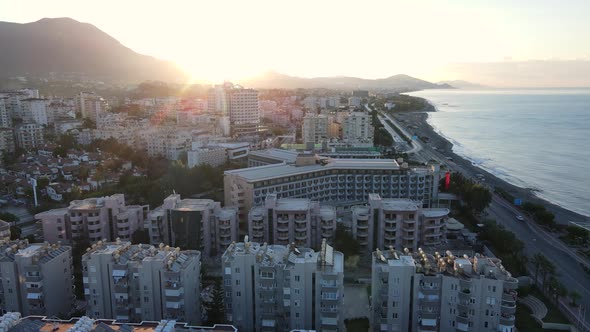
(536, 240)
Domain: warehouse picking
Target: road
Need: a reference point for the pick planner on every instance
(536, 240)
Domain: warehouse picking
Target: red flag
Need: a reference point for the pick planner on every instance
(447, 180)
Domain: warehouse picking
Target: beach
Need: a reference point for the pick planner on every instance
(417, 123)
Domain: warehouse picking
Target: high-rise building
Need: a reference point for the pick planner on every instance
(360, 93)
(200, 224)
(357, 128)
(169, 143)
(292, 220)
(236, 105)
(34, 110)
(417, 291)
(283, 288)
(36, 278)
(355, 101)
(134, 283)
(4, 231)
(91, 105)
(6, 140)
(5, 116)
(347, 181)
(400, 223)
(93, 219)
(29, 136)
(315, 129)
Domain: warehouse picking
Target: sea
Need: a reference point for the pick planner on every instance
(532, 138)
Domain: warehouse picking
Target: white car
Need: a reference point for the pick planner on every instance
(519, 218)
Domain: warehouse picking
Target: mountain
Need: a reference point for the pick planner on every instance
(64, 45)
(271, 80)
(460, 84)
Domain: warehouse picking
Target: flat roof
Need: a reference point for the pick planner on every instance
(282, 169)
(293, 204)
(435, 213)
(190, 204)
(399, 204)
(274, 153)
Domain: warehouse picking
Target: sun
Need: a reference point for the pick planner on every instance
(218, 72)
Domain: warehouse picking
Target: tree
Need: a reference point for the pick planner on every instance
(537, 261)
(575, 297)
(216, 308)
(9, 217)
(345, 243)
(140, 236)
(577, 234)
(15, 232)
(547, 269)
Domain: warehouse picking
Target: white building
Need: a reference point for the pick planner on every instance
(34, 110)
(357, 128)
(134, 283)
(238, 105)
(90, 105)
(282, 288)
(346, 181)
(213, 156)
(400, 223)
(355, 101)
(4, 231)
(6, 140)
(292, 220)
(168, 143)
(93, 219)
(423, 292)
(36, 278)
(315, 129)
(199, 224)
(29, 136)
(5, 116)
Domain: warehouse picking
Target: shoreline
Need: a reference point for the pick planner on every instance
(444, 146)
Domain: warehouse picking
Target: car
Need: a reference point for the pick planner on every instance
(519, 218)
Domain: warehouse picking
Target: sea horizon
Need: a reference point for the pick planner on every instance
(530, 137)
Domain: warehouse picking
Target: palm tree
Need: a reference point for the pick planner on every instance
(547, 269)
(537, 261)
(575, 297)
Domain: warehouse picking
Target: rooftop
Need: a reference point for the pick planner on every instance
(282, 169)
(399, 205)
(191, 204)
(288, 156)
(293, 204)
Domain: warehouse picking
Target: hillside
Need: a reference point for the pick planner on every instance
(64, 45)
(271, 80)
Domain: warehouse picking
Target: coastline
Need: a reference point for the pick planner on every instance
(424, 129)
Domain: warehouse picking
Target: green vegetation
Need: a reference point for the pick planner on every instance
(345, 243)
(476, 197)
(357, 325)
(576, 235)
(9, 217)
(506, 246)
(381, 135)
(540, 214)
(216, 308)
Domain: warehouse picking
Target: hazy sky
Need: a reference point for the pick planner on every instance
(433, 40)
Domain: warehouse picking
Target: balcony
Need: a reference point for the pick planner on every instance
(507, 320)
(465, 284)
(257, 234)
(283, 236)
(508, 308)
(300, 228)
(283, 220)
(389, 228)
(362, 225)
(301, 236)
(511, 283)
(389, 235)
(257, 226)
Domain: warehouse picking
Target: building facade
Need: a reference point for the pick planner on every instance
(315, 129)
(357, 128)
(133, 283)
(292, 220)
(235, 105)
(6, 140)
(5, 116)
(93, 219)
(417, 291)
(29, 136)
(327, 179)
(213, 156)
(36, 279)
(199, 224)
(90, 105)
(401, 223)
(283, 288)
(34, 110)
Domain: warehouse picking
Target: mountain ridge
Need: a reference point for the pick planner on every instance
(64, 45)
(399, 82)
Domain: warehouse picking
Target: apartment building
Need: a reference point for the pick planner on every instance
(355, 101)
(346, 181)
(6, 140)
(168, 143)
(34, 110)
(238, 105)
(133, 283)
(199, 224)
(282, 288)
(36, 279)
(29, 136)
(213, 156)
(315, 129)
(357, 128)
(93, 219)
(418, 291)
(4, 231)
(90, 105)
(5, 116)
(401, 223)
(292, 220)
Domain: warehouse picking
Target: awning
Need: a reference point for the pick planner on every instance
(428, 322)
(268, 323)
(119, 273)
(34, 296)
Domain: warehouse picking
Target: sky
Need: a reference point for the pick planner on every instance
(497, 43)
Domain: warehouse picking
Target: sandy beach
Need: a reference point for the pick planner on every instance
(416, 122)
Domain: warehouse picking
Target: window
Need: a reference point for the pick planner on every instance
(395, 315)
(485, 324)
(238, 293)
(296, 290)
(237, 270)
(297, 278)
(237, 282)
(146, 299)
